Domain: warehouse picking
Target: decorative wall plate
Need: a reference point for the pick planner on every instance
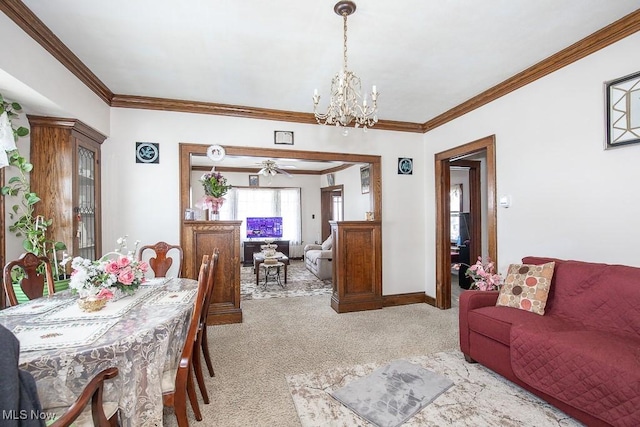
(216, 152)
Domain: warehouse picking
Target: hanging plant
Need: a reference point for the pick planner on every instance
(33, 228)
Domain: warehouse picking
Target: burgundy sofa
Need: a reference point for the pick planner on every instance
(582, 356)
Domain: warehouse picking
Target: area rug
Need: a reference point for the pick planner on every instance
(392, 394)
(300, 282)
(478, 397)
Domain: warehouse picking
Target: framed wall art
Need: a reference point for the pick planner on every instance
(623, 111)
(365, 178)
(254, 180)
(283, 137)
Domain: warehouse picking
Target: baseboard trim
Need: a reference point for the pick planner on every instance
(430, 300)
(403, 299)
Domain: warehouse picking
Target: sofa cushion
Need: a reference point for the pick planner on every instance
(604, 297)
(313, 255)
(326, 245)
(594, 371)
(527, 287)
(495, 322)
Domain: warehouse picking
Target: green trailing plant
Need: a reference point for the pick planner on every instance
(32, 228)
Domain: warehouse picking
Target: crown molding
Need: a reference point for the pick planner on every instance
(199, 107)
(19, 13)
(608, 35)
(32, 25)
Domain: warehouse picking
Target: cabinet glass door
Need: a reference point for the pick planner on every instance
(86, 209)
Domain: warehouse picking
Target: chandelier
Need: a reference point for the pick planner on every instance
(346, 104)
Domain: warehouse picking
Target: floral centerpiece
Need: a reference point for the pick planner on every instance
(116, 272)
(484, 276)
(215, 187)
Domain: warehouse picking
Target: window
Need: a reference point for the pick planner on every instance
(249, 202)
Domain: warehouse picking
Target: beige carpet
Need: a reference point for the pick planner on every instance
(289, 336)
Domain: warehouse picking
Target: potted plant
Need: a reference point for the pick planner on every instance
(33, 228)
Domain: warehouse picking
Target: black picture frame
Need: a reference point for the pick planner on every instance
(148, 152)
(622, 101)
(283, 137)
(254, 180)
(365, 178)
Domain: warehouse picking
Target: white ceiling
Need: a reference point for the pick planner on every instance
(424, 56)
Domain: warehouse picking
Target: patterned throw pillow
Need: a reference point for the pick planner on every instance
(527, 287)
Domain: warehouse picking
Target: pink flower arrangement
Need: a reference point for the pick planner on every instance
(114, 270)
(484, 276)
(215, 187)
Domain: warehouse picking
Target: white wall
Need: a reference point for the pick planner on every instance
(355, 203)
(571, 199)
(142, 201)
(31, 76)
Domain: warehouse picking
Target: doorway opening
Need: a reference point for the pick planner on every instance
(331, 208)
(483, 226)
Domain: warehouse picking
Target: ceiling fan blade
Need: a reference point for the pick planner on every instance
(262, 171)
(283, 172)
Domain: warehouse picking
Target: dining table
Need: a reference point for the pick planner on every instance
(143, 335)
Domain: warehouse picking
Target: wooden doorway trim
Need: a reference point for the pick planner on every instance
(443, 225)
(475, 206)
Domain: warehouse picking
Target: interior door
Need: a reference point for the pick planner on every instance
(331, 208)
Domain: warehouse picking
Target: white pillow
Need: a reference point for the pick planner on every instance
(326, 245)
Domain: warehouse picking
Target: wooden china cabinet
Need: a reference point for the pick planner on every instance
(65, 154)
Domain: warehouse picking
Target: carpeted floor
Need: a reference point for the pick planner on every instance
(285, 337)
(300, 282)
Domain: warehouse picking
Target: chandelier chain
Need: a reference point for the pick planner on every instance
(344, 16)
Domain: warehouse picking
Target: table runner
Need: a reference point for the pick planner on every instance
(71, 311)
(72, 334)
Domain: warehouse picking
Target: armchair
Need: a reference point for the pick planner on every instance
(318, 259)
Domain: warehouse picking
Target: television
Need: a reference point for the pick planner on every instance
(264, 227)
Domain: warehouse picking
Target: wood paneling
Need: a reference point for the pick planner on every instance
(201, 238)
(357, 265)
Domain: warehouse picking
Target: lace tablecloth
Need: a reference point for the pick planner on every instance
(143, 342)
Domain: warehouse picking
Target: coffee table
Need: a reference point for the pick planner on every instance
(258, 258)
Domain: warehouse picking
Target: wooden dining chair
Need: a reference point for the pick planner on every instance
(102, 414)
(32, 284)
(162, 261)
(201, 339)
(177, 384)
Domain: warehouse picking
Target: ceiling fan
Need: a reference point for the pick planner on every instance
(271, 168)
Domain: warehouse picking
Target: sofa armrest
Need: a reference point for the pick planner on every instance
(326, 255)
(470, 300)
(312, 247)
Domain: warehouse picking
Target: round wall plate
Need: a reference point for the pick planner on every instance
(216, 152)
